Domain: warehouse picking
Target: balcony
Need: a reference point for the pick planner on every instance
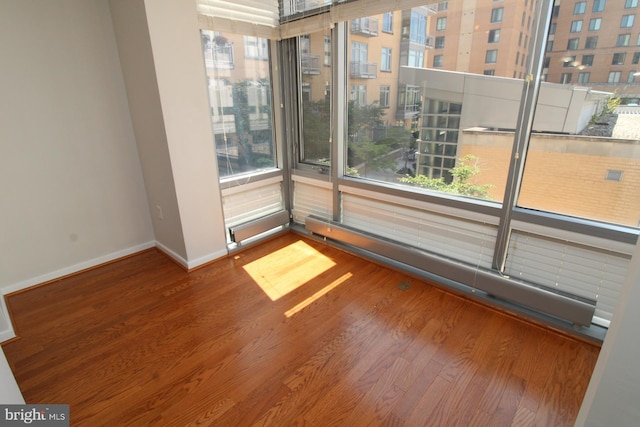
(365, 27)
(364, 70)
(311, 64)
(426, 40)
(304, 5)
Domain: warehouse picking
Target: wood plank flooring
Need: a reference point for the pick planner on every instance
(292, 332)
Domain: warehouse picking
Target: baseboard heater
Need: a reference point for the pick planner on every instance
(250, 229)
(573, 309)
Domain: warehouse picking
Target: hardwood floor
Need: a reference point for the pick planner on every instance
(290, 332)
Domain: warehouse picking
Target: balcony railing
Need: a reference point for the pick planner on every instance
(310, 64)
(425, 40)
(364, 70)
(365, 27)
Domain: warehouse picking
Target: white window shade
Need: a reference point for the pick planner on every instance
(259, 18)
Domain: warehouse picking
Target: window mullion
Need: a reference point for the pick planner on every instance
(522, 135)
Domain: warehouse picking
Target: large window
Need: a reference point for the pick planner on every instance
(496, 14)
(240, 99)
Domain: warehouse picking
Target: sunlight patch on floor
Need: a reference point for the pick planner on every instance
(287, 269)
(318, 294)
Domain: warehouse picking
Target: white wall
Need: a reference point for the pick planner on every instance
(71, 187)
(613, 394)
(161, 55)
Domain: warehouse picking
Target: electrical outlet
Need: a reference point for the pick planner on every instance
(159, 212)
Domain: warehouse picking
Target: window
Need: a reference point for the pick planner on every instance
(552, 28)
(556, 11)
(614, 77)
(598, 5)
(494, 36)
(496, 14)
(579, 8)
(517, 57)
(240, 103)
(594, 24)
(547, 62)
(587, 60)
(569, 61)
(437, 61)
(631, 76)
(416, 58)
(442, 6)
(576, 26)
(491, 56)
(327, 51)
(549, 47)
(572, 44)
(630, 4)
(385, 96)
(387, 22)
(385, 62)
(618, 58)
(256, 48)
(591, 42)
(636, 58)
(583, 77)
(489, 72)
(627, 21)
(566, 78)
(358, 95)
(623, 40)
(418, 28)
(439, 42)
(441, 24)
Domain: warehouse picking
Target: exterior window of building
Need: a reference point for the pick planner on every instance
(385, 62)
(631, 76)
(587, 60)
(614, 77)
(549, 47)
(598, 5)
(636, 58)
(494, 36)
(489, 72)
(441, 23)
(496, 14)
(442, 6)
(418, 30)
(491, 57)
(256, 48)
(591, 42)
(627, 21)
(583, 77)
(437, 61)
(439, 42)
(576, 26)
(520, 39)
(416, 58)
(359, 52)
(566, 78)
(569, 61)
(630, 4)
(552, 28)
(556, 11)
(387, 22)
(517, 57)
(579, 8)
(547, 62)
(240, 104)
(594, 24)
(623, 40)
(572, 44)
(358, 95)
(327, 51)
(618, 58)
(385, 96)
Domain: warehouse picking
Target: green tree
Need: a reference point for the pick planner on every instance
(462, 184)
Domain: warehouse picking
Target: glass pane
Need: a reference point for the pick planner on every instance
(583, 159)
(471, 115)
(315, 66)
(240, 99)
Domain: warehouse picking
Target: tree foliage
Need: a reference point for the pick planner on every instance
(462, 184)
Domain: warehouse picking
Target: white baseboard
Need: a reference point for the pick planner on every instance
(6, 328)
(188, 265)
